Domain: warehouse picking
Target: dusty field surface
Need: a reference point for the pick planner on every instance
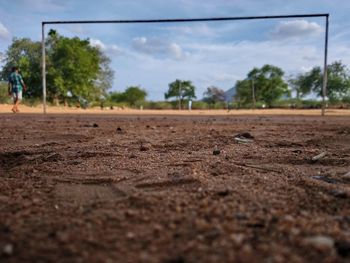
(174, 189)
(6, 108)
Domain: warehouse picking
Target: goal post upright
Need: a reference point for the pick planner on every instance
(43, 65)
(326, 15)
(325, 77)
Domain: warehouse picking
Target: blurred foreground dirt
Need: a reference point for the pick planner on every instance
(107, 188)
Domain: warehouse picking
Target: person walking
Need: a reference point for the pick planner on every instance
(16, 87)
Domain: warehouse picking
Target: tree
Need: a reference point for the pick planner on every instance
(269, 86)
(338, 84)
(73, 67)
(116, 96)
(134, 94)
(181, 89)
(131, 95)
(214, 95)
(25, 54)
(304, 84)
(4, 96)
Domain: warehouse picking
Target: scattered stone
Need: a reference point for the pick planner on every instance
(320, 242)
(119, 130)
(130, 235)
(8, 249)
(214, 174)
(295, 231)
(240, 216)
(346, 176)
(223, 193)
(216, 152)
(257, 224)
(343, 248)
(177, 259)
(288, 218)
(339, 193)
(94, 125)
(244, 135)
(132, 156)
(143, 148)
(5, 229)
(53, 157)
(325, 179)
(318, 157)
(237, 238)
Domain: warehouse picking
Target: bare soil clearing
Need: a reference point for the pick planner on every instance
(6, 108)
(141, 188)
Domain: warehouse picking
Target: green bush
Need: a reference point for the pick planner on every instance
(32, 102)
(157, 105)
(311, 104)
(4, 96)
(258, 105)
(200, 105)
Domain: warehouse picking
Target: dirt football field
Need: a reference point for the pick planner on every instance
(174, 189)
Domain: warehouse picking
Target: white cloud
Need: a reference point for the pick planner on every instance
(77, 29)
(4, 33)
(44, 5)
(158, 47)
(213, 64)
(109, 49)
(176, 50)
(97, 43)
(296, 28)
(193, 30)
(223, 76)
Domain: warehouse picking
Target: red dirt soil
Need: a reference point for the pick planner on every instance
(111, 188)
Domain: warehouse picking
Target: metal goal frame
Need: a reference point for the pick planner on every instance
(142, 21)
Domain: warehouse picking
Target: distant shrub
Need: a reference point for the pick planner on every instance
(4, 96)
(200, 105)
(32, 102)
(158, 105)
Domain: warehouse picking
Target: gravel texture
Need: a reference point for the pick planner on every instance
(88, 188)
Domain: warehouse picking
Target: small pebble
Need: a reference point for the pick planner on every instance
(320, 242)
(216, 152)
(343, 248)
(8, 249)
(237, 238)
(339, 193)
(130, 235)
(346, 176)
(143, 148)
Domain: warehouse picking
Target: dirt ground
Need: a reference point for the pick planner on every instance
(174, 189)
(6, 108)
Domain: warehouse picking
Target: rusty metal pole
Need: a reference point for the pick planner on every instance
(324, 83)
(43, 65)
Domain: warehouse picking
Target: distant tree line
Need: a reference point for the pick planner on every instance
(75, 69)
(79, 72)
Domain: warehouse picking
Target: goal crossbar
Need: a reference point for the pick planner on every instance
(182, 20)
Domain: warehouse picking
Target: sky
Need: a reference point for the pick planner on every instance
(207, 53)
